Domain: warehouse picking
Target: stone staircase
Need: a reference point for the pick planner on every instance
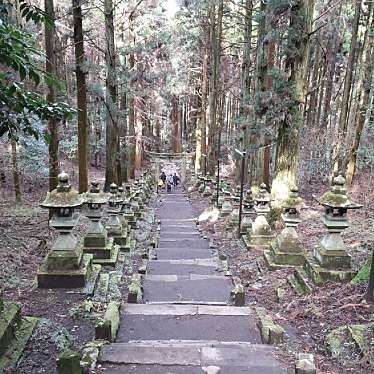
(187, 323)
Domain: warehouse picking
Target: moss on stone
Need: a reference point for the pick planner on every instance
(333, 199)
(69, 363)
(363, 274)
(56, 199)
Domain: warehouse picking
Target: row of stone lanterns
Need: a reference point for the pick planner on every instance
(330, 260)
(70, 263)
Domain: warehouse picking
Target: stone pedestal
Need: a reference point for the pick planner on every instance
(65, 265)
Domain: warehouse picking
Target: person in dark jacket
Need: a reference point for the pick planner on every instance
(175, 180)
(163, 177)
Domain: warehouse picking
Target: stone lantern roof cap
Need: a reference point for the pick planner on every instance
(113, 196)
(337, 196)
(293, 199)
(94, 195)
(262, 195)
(64, 196)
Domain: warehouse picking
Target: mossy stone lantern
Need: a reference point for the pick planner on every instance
(234, 215)
(96, 240)
(207, 185)
(260, 234)
(201, 187)
(248, 211)
(287, 250)
(114, 224)
(128, 213)
(226, 206)
(95, 199)
(65, 265)
(332, 252)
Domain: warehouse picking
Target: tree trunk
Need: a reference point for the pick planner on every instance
(201, 124)
(139, 108)
(301, 16)
(49, 34)
(364, 88)
(215, 37)
(131, 107)
(245, 85)
(347, 90)
(15, 171)
(312, 104)
(80, 59)
(112, 135)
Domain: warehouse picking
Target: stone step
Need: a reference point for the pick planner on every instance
(181, 310)
(169, 235)
(194, 289)
(163, 357)
(178, 228)
(175, 211)
(182, 267)
(183, 253)
(194, 327)
(178, 221)
(183, 243)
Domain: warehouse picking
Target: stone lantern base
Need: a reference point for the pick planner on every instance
(312, 274)
(258, 241)
(286, 251)
(260, 236)
(68, 269)
(106, 254)
(131, 220)
(15, 331)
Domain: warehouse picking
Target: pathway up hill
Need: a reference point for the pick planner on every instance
(186, 324)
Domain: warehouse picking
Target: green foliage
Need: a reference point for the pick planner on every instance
(33, 153)
(21, 61)
(32, 12)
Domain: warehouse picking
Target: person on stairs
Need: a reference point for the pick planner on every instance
(175, 180)
(163, 179)
(169, 183)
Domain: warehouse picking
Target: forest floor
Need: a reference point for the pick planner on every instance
(307, 319)
(25, 238)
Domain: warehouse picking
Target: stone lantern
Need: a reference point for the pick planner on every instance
(128, 213)
(134, 201)
(121, 193)
(201, 187)
(114, 224)
(197, 181)
(234, 215)
(332, 253)
(207, 189)
(221, 198)
(226, 206)
(248, 211)
(287, 250)
(96, 240)
(260, 234)
(65, 265)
